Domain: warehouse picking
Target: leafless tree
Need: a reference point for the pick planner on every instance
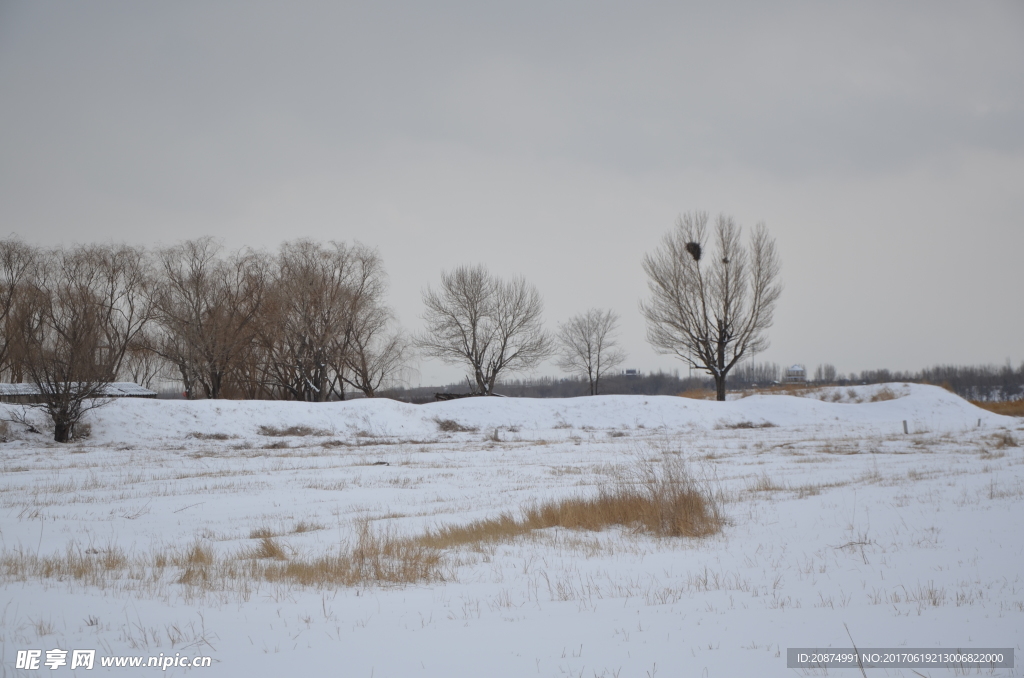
(325, 323)
(825, 374)
(206, 309)
(376, 352)
(376, 361)
(488, 324)
(303, 323)
(587, 346)
(17, 266)
(710, 307)
(82, 308)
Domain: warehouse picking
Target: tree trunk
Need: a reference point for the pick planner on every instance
(62, 431)
(720, 387)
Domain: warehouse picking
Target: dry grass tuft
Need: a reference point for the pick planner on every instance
(196, 555)
(267, 548)
(306, 526)
(883, 394)
(277, 432)
(376, 557)
(452, 426)
(697, 394)
(261, 532)
(750, 424)
(663, 500)
(1010, 408)
(210, 436)
(1004, 439)
(765, 483)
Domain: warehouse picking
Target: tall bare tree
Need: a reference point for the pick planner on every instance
(206, 308)
(303, 324)
(376, 351)
(485, 323)
(710, 307)
(325, 323)
(82, 309)
(587, 345)
(18, 262)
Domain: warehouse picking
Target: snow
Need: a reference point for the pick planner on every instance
(836, 520)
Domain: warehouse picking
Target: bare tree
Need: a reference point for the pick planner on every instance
(82, 309)
(376, 352)
(18, 262)
(303, 324)
(825, 374)
(488, 324)
(711, 308)
(376, 361)
(587, 346)
(206, 308)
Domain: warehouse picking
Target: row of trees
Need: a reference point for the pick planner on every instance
(709, 311)
(300, 324)
(311, 320)
(494, 326)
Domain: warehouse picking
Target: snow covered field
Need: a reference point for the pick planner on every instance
(839, 526)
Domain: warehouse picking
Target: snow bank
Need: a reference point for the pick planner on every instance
(925, 408)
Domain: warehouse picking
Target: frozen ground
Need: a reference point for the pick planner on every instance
(839, 525)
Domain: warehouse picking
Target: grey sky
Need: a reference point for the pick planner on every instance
(883, 145)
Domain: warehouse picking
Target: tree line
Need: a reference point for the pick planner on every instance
(302, 323)
(311, 320)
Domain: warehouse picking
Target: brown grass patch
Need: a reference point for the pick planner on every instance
(267, 548)
(765, 483)
(1004, 439)
(697, 394)
(1010, 408)
(885, 393)
(452, 426)
(277, 432)
(749, 424)
(376, 557)
(663, 500)
(209, 436)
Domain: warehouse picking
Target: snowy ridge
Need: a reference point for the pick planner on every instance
(923, 407)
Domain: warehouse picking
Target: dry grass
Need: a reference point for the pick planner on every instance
(749, 424)
(1003, 440)
(883, 394)
(799, 390)
(210, 436)
(1010, 408)
(452, 426)
(663, 500)
(267, 548)
(697, 394)
(277, 432)
(375, 557)
(765, 483)
(659, 498)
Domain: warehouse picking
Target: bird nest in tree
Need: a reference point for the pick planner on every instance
(694, 249)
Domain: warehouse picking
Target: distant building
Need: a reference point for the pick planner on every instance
(795, 374)
(30, 393)
(631, 373)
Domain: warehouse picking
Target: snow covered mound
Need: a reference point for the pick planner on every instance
(924, 408)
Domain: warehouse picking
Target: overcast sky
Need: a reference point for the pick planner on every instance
(881, 143)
